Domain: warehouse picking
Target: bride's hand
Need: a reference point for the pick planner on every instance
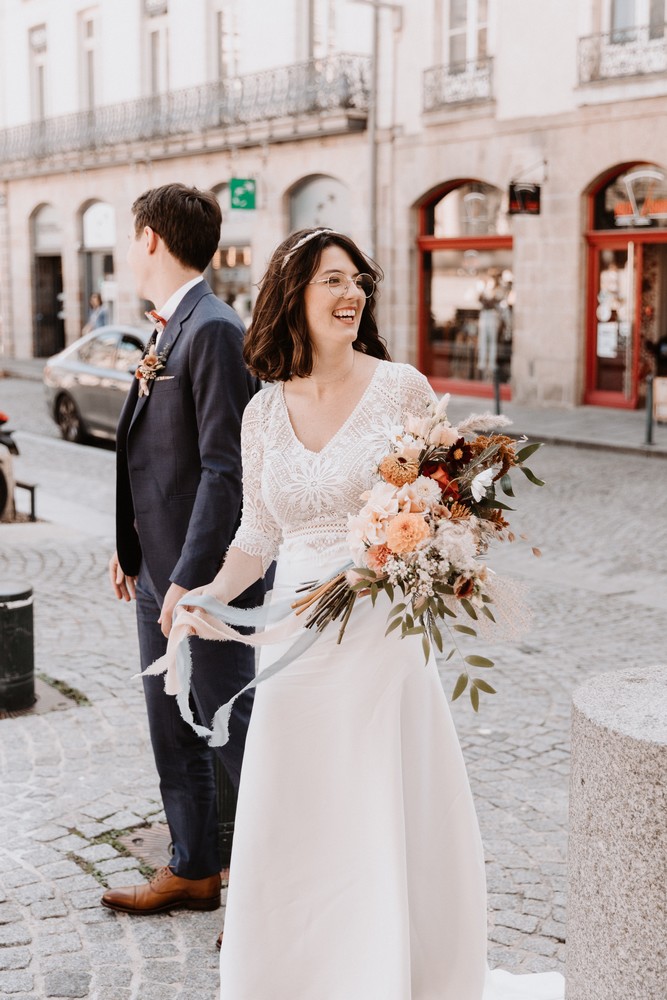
(208, 590)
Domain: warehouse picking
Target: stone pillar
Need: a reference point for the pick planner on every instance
(617, 891)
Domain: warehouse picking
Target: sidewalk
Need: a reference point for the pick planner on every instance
(598, 427)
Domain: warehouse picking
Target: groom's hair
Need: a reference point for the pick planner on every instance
(278, 343)
(188, 220)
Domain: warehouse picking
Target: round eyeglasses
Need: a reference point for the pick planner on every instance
(338, 283)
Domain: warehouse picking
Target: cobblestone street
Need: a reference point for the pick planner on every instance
(73, 780)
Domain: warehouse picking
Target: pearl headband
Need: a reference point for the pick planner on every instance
(303, 241)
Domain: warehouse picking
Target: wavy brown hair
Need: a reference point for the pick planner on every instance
(277, 344)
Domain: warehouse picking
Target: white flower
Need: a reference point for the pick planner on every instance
(443, 435)
(418, 427)
(425, 492)
(481, 483)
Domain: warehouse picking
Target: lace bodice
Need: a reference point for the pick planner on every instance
(290, 491)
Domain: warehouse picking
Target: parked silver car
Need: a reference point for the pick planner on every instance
(86, 384)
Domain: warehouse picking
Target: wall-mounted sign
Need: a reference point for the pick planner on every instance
(242, 193)
(524, 199)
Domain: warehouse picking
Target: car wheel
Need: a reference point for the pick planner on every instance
(68, 419)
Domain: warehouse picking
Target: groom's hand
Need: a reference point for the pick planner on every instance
(172, 597)
(123, 586)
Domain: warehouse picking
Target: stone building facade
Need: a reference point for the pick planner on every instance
(504, 160)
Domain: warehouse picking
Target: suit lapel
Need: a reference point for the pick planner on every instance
(171, 333)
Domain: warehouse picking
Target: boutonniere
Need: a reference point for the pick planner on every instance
(148, 368)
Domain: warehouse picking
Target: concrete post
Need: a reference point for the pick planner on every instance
(617, 892)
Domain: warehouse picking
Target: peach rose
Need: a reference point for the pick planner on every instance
(406, 531)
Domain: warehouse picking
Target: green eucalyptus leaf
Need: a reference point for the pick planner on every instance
(389, 589)
(474, 698)
(478, 661)
(396, 622)
(450, 654)
(436, 635)
(426, 646)
(396, 610)
(483, 686)
(531, 475)
(506, 485)
(526, 452)
(415, 630)
(469, 608)
(465, 629)
(486, 610)
(460, 686)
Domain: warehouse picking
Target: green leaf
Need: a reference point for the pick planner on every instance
(426, 646)
(469, 608)
(450, 654)
(506, 485)
(526, 452)
(486, 610)
(447, 611)
(374, 593)
(415, 630)
(474, 698)
(396, 622)
(409, 621)
(465, 629)
(419, 607)
(436, 636)
(478, 661)
(483, 686)
(390, 590)
(460, 686)
(396, 610)
(531, 475)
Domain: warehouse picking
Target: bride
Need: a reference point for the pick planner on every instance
(357, 870)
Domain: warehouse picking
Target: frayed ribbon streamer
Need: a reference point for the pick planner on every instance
(213, 620)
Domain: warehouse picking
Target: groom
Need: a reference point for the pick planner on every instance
(178, 507)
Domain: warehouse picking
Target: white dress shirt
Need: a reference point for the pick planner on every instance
(173, 302)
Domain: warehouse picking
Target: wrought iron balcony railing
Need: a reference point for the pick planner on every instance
(624, 52)
(458, 83)
(340, 82)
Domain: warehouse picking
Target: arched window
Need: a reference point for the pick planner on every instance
(467, 287)
(98, 243)
(322, 201)
(48, 298)
(627, 282)
(229, 273)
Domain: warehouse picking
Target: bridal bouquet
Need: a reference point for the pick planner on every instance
(423, 529)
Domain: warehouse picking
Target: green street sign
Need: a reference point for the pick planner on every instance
(242, 193)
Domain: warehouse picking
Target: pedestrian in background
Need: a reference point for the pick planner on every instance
(98, 315)
(178, 507)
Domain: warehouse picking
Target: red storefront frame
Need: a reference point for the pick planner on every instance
(596, 241)
(428, 244)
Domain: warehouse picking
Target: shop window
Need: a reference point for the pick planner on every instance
(467, 286)
(636, 199)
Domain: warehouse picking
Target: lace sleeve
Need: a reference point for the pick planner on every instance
(258, 534)
(415, 391)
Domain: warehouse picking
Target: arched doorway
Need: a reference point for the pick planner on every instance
(48, 298)
(98, 243)
(466, 288)
(627, 281)
(229, 273)
(320, 201)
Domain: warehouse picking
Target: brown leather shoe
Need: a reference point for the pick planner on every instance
(165, 891)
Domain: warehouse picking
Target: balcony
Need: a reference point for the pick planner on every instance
(458, 83)
(627, 52)
(335, 88)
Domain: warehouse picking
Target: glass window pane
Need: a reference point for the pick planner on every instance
(457, 50)
(635, 200)
(129, 354)
(470, 210)
(622, 20)
(470, 302)
(657, 19)
(100, 352)
(458, 14)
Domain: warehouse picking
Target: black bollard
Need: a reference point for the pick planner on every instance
(649, 410)
(226, 812)
(17, 656)
(496, 388)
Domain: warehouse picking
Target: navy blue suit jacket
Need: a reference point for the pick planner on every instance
(179, 484)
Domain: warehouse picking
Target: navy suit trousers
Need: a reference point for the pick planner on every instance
(184, 760)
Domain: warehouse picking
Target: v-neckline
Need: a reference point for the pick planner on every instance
(342, 427)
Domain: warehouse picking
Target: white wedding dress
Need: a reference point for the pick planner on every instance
(357, 870)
